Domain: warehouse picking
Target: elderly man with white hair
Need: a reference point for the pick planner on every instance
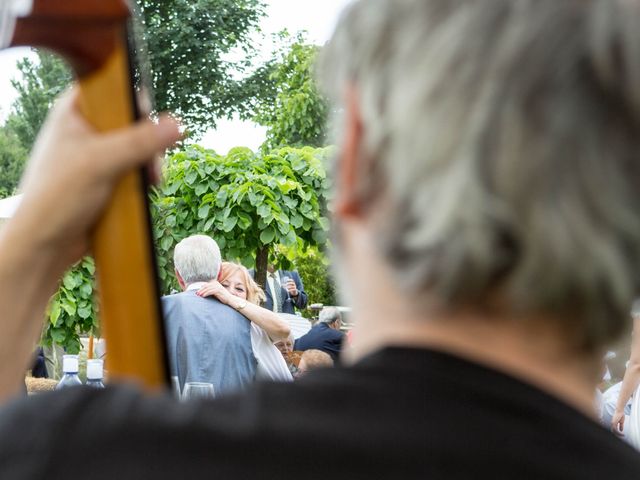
(324, 335)
(487, 219)
(207, 341)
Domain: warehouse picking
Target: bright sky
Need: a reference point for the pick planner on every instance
(317, 17)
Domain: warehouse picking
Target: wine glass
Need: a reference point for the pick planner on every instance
(175, 386)
(195, 390)
(283, 281)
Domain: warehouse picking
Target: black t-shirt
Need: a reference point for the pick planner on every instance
(398, 414)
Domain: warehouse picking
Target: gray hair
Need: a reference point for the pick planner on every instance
(502, 140)
(329, 315)
(197, 259)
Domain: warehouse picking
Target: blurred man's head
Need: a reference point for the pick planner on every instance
(331, 316)
(490, 153)
(196, 259)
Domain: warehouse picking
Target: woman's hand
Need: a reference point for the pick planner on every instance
(617, 422)
(215, 289)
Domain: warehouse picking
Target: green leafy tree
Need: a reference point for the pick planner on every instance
(12, 159)
(296, 114)
(189, 43)
(72, 311)
(248, 202)
(198, 52)
(39, 84)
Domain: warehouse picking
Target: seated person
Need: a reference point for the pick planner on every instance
(313, 359)
(325, 335)
(291, 357)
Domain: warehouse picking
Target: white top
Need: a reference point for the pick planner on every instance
(271, 364)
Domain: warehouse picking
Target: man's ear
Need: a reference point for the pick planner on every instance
(347, 203)
(183, 286)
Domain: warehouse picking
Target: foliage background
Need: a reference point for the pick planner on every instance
(296, 115)
(201, 55)
(199, 52)
(39, 83)
(247, 202)
(72, 310)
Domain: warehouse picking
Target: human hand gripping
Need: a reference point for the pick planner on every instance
(291, 288)
(215, 289)
(617, 423)
(69, 179)
(73, 170)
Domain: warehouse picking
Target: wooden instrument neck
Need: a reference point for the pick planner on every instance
(84, 32)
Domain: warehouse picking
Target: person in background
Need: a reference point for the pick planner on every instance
(39, 367)
(291, 357)
(487, 238)
(207, 340)
(312, 360)
(324, 335)
(285, 286)
(236, 288)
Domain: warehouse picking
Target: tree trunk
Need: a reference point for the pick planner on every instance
(262, 259)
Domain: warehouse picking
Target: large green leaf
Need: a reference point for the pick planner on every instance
(70, 281)
(267, 236)
(229, 224)
(248, 209)
(203, 211)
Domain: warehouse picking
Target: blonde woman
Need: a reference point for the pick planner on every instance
(237, 289)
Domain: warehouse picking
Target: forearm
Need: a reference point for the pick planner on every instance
(630, 383)
(276, 328)
(29, 275)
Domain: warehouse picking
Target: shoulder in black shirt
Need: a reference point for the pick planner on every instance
(400, 413)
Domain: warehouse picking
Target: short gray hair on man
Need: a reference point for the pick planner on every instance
(502, 144)
(329, 315)
(197, 259)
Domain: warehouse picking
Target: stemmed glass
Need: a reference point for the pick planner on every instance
(195, 390)
(175, 386)
(283, 281)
